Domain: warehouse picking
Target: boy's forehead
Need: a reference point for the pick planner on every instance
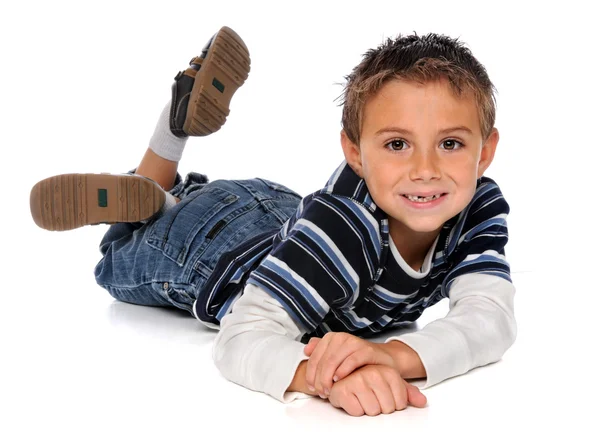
(420, 104)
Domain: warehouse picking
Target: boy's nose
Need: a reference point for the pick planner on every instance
(424, 166)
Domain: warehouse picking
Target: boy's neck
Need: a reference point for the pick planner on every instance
(412, 246)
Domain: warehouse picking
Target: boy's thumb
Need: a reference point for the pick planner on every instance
(415, 397)
(311, 345)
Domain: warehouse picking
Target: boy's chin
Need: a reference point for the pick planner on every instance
(424, 226)
(430, 229)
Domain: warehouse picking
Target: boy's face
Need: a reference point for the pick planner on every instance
(420, 140)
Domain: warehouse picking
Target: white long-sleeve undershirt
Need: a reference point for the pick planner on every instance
(258, 345)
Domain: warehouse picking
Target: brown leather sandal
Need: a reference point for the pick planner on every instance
(69, 201)
(202, 93)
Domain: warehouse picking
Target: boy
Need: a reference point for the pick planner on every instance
(406, 220)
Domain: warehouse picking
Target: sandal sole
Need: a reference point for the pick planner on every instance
(223, 71)
(69, 201)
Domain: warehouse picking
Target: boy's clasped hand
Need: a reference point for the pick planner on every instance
(358, 376)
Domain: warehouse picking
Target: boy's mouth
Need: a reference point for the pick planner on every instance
(420, 199)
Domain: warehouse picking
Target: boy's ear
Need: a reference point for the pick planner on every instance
(487, 152)
(352, 153)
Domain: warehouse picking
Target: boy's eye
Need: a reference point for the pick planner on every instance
(450, 145)
(396, 144)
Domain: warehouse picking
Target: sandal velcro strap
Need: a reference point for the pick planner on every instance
(197, 61)
(190, 72)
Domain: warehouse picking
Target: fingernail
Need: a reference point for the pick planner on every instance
(322, 396)
(335, 378)
(326, 391)
(311, 388)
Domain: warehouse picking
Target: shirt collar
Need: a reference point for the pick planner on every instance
(346, 183)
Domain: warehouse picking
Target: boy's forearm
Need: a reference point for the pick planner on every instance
(408, 361)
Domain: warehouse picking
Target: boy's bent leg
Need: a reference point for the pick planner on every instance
(133, 270)
(127, 266)
(199, 106)
(159, 169)
(130, 269)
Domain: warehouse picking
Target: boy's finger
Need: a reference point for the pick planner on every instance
(415, 397)
(349, 403)
(400, 397)
(349, 365)
(324, 375)
(369, 402)
(313, 363)
(330, 361)
(385, 397)
(311, 345)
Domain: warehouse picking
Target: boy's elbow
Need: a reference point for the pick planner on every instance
(508, 322)
(505, 327)
(505, 324)
(217, 348)
(223, 342)
(512, 331)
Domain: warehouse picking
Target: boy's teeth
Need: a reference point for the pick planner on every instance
(422, 199)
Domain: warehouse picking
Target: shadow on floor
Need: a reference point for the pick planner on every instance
(163, 323)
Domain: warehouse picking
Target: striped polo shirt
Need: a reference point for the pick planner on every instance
(331, 268)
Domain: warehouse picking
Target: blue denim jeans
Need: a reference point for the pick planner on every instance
(167, 260)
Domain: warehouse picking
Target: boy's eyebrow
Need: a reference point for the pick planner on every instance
(405, 131)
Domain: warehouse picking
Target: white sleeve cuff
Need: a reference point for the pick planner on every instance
(279, 357)
(258, 345)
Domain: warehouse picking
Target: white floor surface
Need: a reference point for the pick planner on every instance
(83, 365)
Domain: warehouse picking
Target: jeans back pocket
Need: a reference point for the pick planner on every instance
(195, 216)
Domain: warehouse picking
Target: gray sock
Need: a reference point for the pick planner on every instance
(163, 142)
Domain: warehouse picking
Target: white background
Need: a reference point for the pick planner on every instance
(81, 86)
